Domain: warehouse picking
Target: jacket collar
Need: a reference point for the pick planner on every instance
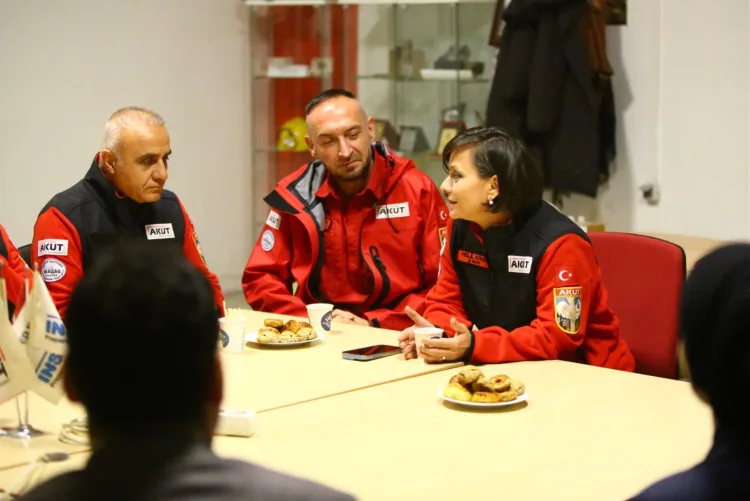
(297, 192)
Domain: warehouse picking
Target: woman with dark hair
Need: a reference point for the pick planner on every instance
(518, 280)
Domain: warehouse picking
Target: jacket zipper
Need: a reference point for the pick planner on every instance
(315, 275)
(375, 255)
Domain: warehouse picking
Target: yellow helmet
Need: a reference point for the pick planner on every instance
(292, 135)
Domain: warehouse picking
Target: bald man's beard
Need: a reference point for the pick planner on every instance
(357, 174)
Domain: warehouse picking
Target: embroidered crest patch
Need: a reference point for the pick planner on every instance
(441, 235)
(568, 308)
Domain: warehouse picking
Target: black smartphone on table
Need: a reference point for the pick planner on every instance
(371, 352)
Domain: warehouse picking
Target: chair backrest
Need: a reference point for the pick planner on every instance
(643, 277)
(25, 251)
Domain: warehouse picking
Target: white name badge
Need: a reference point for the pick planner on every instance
(52, 247)
(274, 220)
(519, 264)
(159, 231)
(392, 210)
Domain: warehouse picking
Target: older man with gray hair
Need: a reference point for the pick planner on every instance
(121, 197)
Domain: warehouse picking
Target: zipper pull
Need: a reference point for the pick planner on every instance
(375, 254)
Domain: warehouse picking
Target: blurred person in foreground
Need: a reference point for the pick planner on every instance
(358, 227)
(518, 280)
(143, 334)
(714, 326)
(121, 197)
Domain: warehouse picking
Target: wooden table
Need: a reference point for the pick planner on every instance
(43, 416)
(259, 379)
(264, 378)
(586, 433)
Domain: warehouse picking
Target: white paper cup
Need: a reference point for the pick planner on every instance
(232, 334)
(320, 317)
(422, 333)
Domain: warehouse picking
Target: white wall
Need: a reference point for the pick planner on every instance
(704, 127)
(681, 89)
(682, 83)
(66, 65)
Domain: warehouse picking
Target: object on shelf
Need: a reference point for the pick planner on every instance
(291, 71)
(454, 113)
(405, 61)
(436, 74)
(459, 59)
(386, 133)
(292, 135)
(447, 132)
(321, 66)
(616, 12)
(284, 67)
(413, 139)
(450, 126)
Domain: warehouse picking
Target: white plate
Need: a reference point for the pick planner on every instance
(252, 337)
(484, 405)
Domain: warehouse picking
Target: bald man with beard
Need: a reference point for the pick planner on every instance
(121, 198)
(358, 226)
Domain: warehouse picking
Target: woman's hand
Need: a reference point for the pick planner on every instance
(406, 338)
(447, 349)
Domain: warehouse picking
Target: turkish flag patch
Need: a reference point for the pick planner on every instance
(567, 275)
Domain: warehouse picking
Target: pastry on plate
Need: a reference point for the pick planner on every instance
(286, 337)
(471, 385)
(499, 384)
(518, 387)
(457, 392)
(306, 333)
(268, 335)
(293, 326)
(273, 322)
(481, 384)
(506, 396)
(469, 374)
(486, 397)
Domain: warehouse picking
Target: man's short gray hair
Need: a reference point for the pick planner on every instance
(127, 118)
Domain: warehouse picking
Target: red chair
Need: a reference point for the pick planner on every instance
(643, 277)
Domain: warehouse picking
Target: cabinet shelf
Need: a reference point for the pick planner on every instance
(276, 150)
(385, 52)
(266, 77)
(272, 3)
(421, 80)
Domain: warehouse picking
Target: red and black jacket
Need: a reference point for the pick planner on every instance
(533, 291)
(90, 216)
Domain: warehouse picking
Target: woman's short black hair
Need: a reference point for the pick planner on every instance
(497, 153)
